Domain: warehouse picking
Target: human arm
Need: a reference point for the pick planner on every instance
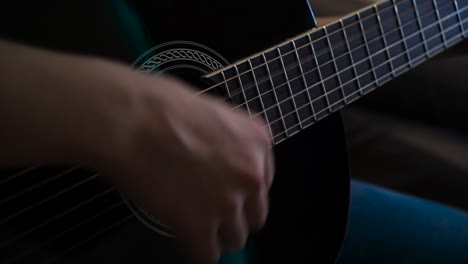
(198, 166)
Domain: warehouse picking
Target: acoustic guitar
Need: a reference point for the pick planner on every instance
(270, 59)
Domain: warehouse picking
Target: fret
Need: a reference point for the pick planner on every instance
(322, 84)
(304, 81)
(340, 83)
(403, 37)
(260, 96)
(353, 64)
(241, 87)
(420, 27)
(460, 20)
(288, 83)
(341, 62)
(232, 87)
(366, 43)
(273, 88)
(385, 45)
(227, 86)
(429, 23)
(440, 23)
(413, 36)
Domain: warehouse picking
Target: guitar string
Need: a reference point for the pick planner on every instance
(26, 209)
(99, 232)
(18, 173)
(455, 25)
(433, 50)
(295, 65)
(27, 232)
(63, 233)
(37, 185)
(279, 86)
(441, 45)
(395, 3)
(374, 15)
(410, 64)
(420, 31)
(319, 53)
(279, 119)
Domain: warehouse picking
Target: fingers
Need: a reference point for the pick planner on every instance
(256, 210)
(257, 203)
(201, 242)
(233, 232)
(269, 168)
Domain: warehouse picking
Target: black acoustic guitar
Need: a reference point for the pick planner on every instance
(270, 59)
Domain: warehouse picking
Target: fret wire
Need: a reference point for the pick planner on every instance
(213, 73)
(227, 85)
(420, 28)
(376, 53)
(396, 29)
(340, 83)
(387, 8)
(289, 85)
(366, 44)
(350, 54)
(259, 93)
(319, 71)
(242, 89)
(460, 20)
(403, 37)
(441, 27)
(381, 29)
(274, 93)
(304, 79)
(401, 67)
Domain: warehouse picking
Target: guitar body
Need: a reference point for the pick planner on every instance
(65, 215)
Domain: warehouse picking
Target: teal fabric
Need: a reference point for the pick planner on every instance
(132, 28)
(390, 227)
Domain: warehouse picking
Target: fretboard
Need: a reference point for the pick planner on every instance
(310, 76)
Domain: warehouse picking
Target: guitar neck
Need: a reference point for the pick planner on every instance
(310, 76)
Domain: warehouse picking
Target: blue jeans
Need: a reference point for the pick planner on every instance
(390, 227)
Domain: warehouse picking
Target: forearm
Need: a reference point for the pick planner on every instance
(49, 104)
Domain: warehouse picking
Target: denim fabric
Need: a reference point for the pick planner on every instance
(391, 227)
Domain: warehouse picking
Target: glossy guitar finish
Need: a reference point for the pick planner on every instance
(69, 215)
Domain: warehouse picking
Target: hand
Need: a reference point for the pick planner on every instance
(194, 164)
(191, 162)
